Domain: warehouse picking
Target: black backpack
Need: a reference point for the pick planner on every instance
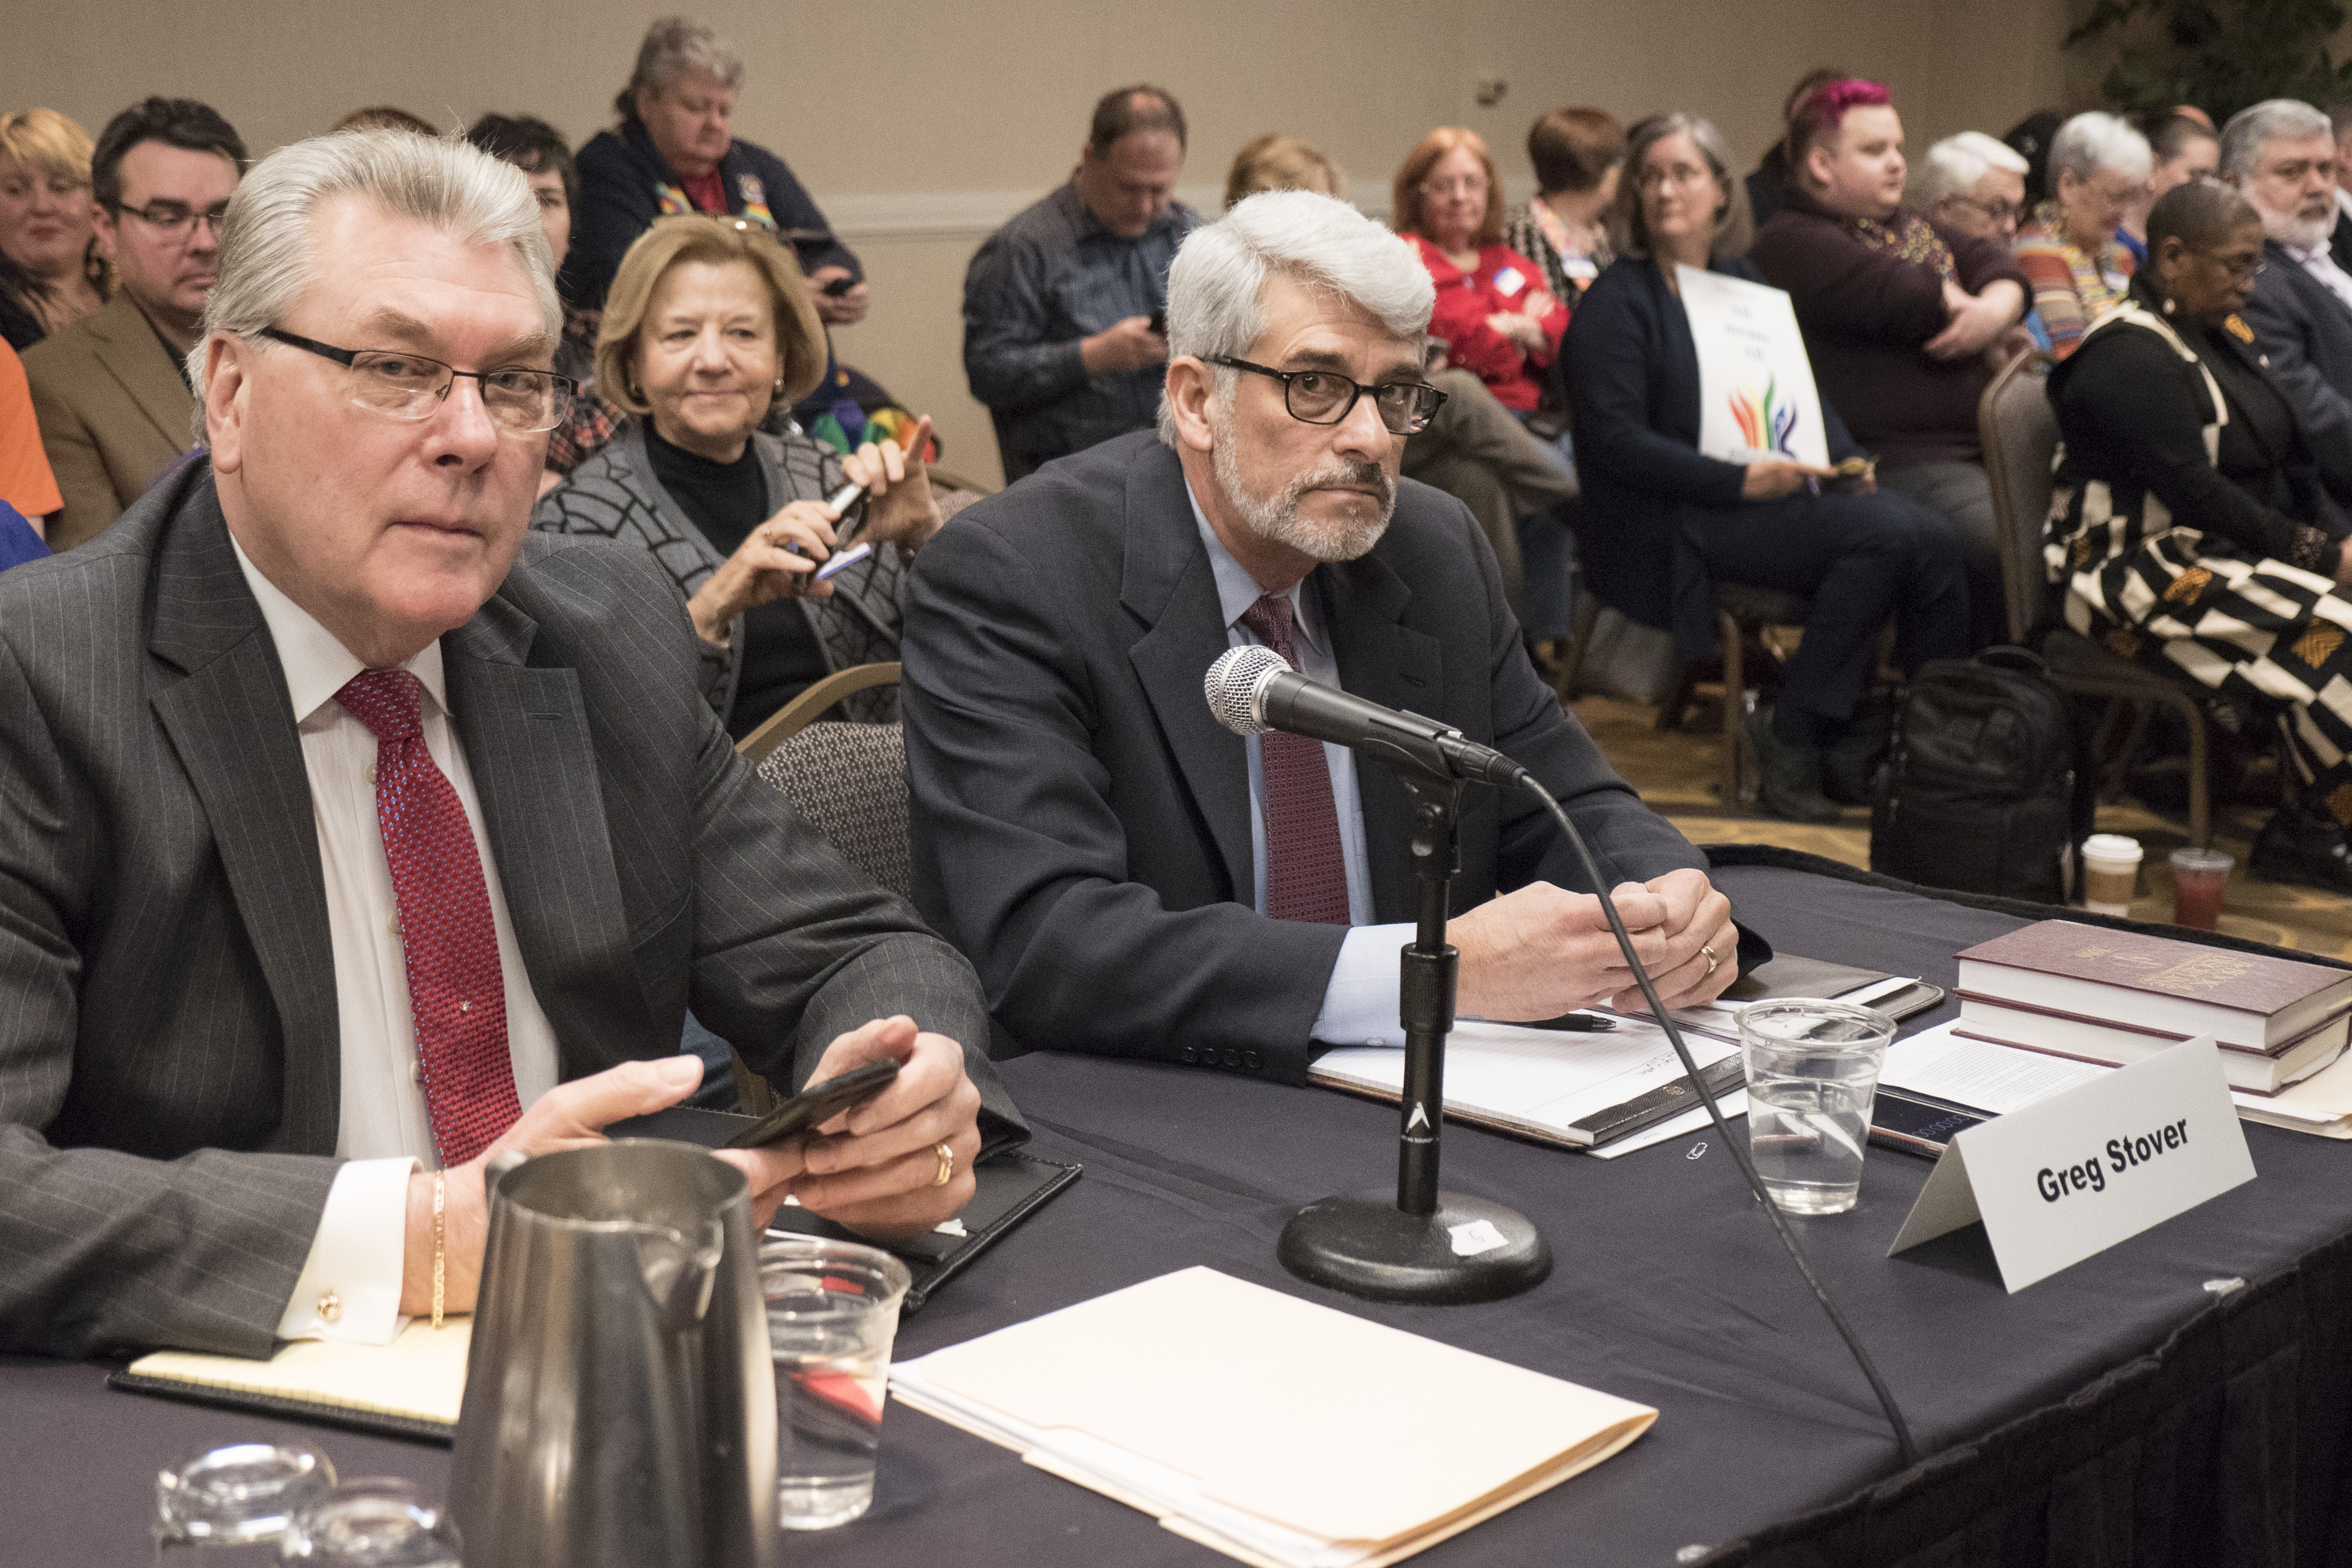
(1976, 793)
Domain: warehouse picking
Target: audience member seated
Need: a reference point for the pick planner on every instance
(1496, 318)
(1132, 879)
(385, 117)
(1277, 163)
(1061, 306)
(1770, 179)
(1974, 185)
(1494, 312)
(2191, 529)
(112, 390)
(1898, 314)
(220, 1074)
(2339, 239)
(51, 273)
(26, 481)
(707, 325)
(2282, 155)
(2181, 150)
(674, 152)
(2030, 140)
(1660, 520)
(2069, 252)
(538, 149)
(1579, 155)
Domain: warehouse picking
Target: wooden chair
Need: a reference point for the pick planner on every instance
(803, 711)
(2020, 430)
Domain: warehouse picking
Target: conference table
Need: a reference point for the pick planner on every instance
(2183, 1398)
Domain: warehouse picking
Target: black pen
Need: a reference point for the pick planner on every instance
(1577, 1023)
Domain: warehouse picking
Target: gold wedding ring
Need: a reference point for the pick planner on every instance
(1711, 960)
(947, 1166)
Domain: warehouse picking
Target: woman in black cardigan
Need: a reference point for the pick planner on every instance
(2189, 529)
(1660, 520)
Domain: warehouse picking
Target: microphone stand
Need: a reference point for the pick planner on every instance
(1428, 1246)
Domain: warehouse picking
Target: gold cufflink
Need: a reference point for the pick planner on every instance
(330, 1308)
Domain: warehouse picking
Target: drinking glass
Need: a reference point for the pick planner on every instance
(232, 1503)
(375, 1523)
(1813, 1071)
(833, 1310)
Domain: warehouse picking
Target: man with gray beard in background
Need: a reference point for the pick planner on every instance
(1132, 879)
(2282, 155)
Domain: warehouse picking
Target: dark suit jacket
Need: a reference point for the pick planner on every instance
(1081, 820)
(169, 1046)
(2339, 239)
(2305, 335)
(1633, 397)
(114, 415)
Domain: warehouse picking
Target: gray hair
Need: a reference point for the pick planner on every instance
(674, 46)
(2273, 119)
(268, 256)
(1217, 286)
(2089, 143)
(1735, 221)
(1954, 165)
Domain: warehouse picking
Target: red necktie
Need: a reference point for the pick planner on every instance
(1305, 876)
(456, 990)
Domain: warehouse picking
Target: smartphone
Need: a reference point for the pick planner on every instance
(838, 287)
(1917, 1124)
(816, 1105)
(841, 560)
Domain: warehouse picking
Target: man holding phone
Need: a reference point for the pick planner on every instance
(355, 835)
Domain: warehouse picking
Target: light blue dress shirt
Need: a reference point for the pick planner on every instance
(1360, 1001)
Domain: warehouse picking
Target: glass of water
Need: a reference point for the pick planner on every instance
(376, 1522)
(232, 1504)
(833, 1310)
(1813, 1071)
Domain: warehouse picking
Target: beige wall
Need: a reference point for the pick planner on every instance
(916, 126)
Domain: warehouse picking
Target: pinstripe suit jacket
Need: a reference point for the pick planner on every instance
(169, 1044)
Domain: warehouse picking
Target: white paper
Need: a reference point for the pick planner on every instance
(1541, 1080)
(1757, 396)
(1978, 1074)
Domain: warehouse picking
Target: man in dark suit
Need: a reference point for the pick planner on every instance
(1130, 877)
(2282, 155)
(2339, 237)
(345, 818)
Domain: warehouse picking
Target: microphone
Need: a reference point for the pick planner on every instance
(1252, 690)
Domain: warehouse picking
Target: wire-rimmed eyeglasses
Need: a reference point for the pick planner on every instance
(410, 386)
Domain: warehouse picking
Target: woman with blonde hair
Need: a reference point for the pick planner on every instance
(707, 325)
(50, 271)
(1277, 163)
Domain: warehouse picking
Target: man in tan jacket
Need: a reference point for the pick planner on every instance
(110, 391)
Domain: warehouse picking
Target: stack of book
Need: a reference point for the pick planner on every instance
(2118, 997)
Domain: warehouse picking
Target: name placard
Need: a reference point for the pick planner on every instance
(2072, 1176)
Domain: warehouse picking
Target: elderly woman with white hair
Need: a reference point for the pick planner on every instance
(674, 152)
(2098, 168)
(1974, 183)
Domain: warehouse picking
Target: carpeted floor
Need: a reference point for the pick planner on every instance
(1676, 773)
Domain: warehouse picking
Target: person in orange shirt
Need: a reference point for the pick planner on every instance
(26, 481)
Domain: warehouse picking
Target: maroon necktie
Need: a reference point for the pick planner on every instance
(1305, 877)
(456, 990)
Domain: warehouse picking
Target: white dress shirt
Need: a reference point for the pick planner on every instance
(1360, 1000)
(2320, 264)
(350, 1285)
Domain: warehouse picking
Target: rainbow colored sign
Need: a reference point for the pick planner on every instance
(1766, 420)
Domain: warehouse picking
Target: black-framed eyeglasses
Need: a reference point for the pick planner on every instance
(410, 386)
(1327, 397)
(173, 220)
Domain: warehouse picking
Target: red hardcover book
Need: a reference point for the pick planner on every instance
(2142, 982)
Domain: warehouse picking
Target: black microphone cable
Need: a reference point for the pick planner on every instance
(1902, 1442)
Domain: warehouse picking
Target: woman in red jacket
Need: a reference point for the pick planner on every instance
(1494, 314)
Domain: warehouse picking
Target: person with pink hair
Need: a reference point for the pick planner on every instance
(1904, 319)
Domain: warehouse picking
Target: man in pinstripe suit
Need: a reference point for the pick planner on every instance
(345, 830)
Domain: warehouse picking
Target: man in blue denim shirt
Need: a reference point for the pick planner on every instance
(1059, 305)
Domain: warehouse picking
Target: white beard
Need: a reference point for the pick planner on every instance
(2298, 233)
(1277, 519)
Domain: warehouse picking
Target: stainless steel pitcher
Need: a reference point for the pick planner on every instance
(620, 1400)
